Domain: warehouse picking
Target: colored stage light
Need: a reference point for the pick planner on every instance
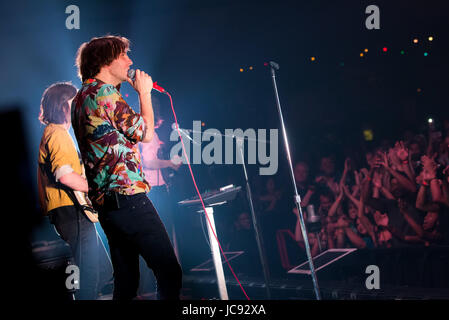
(415, 40)
(368, 135)
(384, 49)
(425, 54)
(241, 69)
(430, 38)
(402, 51)
(312, 58)
(366, 50)
(361, 54)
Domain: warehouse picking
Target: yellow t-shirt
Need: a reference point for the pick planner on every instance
(57, 156)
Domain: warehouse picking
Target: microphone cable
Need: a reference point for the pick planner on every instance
(199, 194)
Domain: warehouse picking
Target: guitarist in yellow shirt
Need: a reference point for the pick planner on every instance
(60, 172)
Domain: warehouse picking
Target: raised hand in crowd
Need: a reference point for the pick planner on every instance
(306, 200)
(346, 169)
(333, 209)
(405, 182)
(405, 157)
(438, 187)
(356, 186)
(365, 173)
(429, 165)
(401, 151)
(363, 219)
(350, 196)
(378, 178)
(393, 159)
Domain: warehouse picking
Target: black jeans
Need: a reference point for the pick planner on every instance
(164, 202)
(79, 232)
(132, 226)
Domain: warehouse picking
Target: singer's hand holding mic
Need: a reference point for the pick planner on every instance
(140, 81)
(132, 75)
(143, 84)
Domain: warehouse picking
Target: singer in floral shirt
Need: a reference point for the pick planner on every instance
(111, 128)
(108, 132)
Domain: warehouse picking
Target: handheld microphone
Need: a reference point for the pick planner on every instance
(132, 76)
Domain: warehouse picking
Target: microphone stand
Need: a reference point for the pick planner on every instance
(273, 66)
(259, 239)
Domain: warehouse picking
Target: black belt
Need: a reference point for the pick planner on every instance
(114, 200)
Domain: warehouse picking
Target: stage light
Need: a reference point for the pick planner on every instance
(402, 51)
(368, 135)
(430, 38)
(366, 50)
(361, 54)
(385, 49)
(312, 58)
(425, 54)
(241, 69)
(415, 40)
(250, 68)
(430, 120)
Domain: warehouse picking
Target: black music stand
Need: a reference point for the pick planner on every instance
(208, 264)
(322, 260)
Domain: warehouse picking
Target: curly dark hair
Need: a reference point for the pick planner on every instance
(54, 102)
(98, 52)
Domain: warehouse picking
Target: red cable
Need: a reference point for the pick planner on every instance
(201, 198)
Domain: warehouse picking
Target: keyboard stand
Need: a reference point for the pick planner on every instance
(216, 255)
(217, 199)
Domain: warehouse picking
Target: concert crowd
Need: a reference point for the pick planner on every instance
(394, 194)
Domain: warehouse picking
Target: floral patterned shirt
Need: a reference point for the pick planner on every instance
(108, 130)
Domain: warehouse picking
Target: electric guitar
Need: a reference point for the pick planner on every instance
(86, 206)
(84, 202)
